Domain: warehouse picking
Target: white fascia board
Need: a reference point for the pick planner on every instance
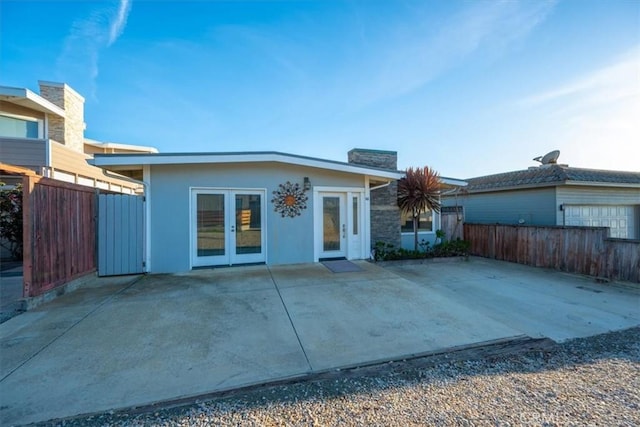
(448, 182)
(24, 97)
(119, 146)
(453, 182)
(557, 184)
(146, 159)
(600, 184)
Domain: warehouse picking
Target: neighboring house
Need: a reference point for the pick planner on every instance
(554, 194)
(45, 133)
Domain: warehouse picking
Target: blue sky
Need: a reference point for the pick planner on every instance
(466, 87)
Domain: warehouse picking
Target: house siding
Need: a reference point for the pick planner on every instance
(289, 240)
(533, 206)
(28, 153)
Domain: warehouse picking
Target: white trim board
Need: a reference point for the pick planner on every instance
(115, 160)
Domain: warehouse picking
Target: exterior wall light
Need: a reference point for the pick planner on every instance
(307, 184)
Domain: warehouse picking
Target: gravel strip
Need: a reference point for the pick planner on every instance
(588, 381)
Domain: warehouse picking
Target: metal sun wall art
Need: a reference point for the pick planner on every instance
(289, 200)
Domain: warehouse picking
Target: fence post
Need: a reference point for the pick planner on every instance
(27, 235)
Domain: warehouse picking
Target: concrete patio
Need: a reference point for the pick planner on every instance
(129, 341)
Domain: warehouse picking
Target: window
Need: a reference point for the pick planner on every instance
(425, 222)
(15, 127)
(355, 215)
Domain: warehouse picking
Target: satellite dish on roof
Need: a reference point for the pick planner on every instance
(549, 158)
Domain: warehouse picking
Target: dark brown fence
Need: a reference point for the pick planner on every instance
(582, 250)
(59, 233)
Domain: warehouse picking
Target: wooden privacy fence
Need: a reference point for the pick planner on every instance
(451, 222)
(59, 227)
(582, 250)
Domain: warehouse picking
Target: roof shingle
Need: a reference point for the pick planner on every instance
(550, 175)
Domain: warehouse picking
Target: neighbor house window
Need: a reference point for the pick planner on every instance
(19, 127)
(425, 223)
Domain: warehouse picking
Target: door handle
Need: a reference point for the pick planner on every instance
(233, 228)
(344, 231)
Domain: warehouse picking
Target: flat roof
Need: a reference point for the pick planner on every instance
(25, 98)
(118, 161)
(119, 146)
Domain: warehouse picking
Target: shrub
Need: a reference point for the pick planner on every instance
(11, 220)
(387, 252)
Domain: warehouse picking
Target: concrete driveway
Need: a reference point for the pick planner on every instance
(133, 341)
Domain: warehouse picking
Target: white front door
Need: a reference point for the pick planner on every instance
(227, 227)
(333, 225)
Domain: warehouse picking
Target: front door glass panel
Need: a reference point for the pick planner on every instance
(331, 223)
(248, 224)
(210, 225)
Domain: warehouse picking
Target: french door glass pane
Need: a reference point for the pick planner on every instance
(248, 224)
(331, 223)
(210, 224)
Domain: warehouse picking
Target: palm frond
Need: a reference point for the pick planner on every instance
(419, 190)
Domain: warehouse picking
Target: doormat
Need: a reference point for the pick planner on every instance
(341, 266)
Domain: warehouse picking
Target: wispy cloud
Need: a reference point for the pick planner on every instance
(417, 54)
(612, 82)
(79, 60)
(117, 25)
(596, 114)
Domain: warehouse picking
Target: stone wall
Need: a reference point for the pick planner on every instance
(70, 129)
(385, 214)
(374, 158)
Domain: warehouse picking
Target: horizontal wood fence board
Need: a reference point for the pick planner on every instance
(582, 250)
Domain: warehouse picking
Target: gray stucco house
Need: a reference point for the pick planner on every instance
(208, 209)
(554, 194)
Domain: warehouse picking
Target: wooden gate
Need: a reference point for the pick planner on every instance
(120, 234)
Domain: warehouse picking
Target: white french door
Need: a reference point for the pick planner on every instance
(227, 227)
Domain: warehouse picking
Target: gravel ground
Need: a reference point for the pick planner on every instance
(589, 381)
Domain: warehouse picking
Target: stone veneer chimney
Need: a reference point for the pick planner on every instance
(385, 214)
(69, 130)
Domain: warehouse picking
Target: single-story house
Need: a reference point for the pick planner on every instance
(555, 194)
(208, 209)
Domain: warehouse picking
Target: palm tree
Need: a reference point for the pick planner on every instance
(419, 191)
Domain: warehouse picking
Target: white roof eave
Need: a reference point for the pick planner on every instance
(117, 161)
(26, 98)
(453, 182)
(117, 145)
